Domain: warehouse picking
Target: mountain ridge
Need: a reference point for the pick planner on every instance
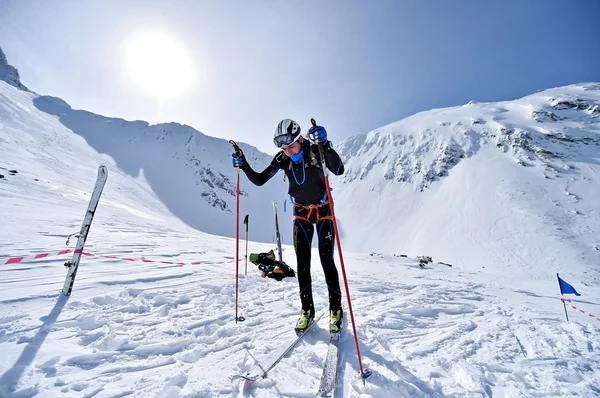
(9, 73)
(525, 167)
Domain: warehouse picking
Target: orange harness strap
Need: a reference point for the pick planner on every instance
(302, 218)
(325, 218)
(310, 209)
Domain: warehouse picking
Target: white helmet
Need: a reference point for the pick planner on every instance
(286, 133)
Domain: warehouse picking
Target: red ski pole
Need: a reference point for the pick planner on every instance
(238, 152)
(246, 222)
(363, 372)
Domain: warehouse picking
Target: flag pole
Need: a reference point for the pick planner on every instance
(561, 297)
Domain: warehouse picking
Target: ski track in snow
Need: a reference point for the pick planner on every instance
(428, 333)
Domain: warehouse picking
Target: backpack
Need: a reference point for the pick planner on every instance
(270, 267)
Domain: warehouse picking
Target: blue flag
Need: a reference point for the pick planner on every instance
(566, 288)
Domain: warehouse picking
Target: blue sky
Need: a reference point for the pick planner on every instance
(353, 65)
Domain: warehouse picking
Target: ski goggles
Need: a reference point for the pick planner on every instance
(285, 140)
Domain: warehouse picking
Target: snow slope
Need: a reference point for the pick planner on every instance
(153, 330)
(138, 329)
(188, 171)
(150, 329)
(506, 186)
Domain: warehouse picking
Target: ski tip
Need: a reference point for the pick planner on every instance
(247, 385)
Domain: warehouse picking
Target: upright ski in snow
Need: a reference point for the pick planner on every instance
(85, 229)
(277, 234)
(329, 376)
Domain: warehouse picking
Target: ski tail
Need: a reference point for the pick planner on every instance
(261, 369)
(328, 383)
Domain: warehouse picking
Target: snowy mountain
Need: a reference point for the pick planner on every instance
(9, 73)
(511, 185)
(152, 311)
(188, 172)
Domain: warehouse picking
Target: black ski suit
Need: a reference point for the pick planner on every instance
(311, 209)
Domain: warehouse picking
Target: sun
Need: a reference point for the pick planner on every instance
(159, 64)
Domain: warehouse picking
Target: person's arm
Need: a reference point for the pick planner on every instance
(318, 135)
(264, 176)
(332, 159)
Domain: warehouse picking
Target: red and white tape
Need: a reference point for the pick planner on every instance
(27, 259)
(145, 260)
(564, 300)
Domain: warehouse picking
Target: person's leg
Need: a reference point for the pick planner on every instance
(326, 244)
(303, 234)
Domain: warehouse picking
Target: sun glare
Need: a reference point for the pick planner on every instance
(159, 64)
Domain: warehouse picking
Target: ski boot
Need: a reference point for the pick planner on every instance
(306, 318)
(335, 321)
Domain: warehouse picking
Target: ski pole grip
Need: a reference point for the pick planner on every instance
(236, 148)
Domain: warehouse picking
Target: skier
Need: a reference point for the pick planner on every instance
(300, 160)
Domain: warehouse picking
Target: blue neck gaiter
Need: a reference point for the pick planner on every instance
(298, 157)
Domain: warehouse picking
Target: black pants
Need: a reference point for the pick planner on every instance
(305, 221)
